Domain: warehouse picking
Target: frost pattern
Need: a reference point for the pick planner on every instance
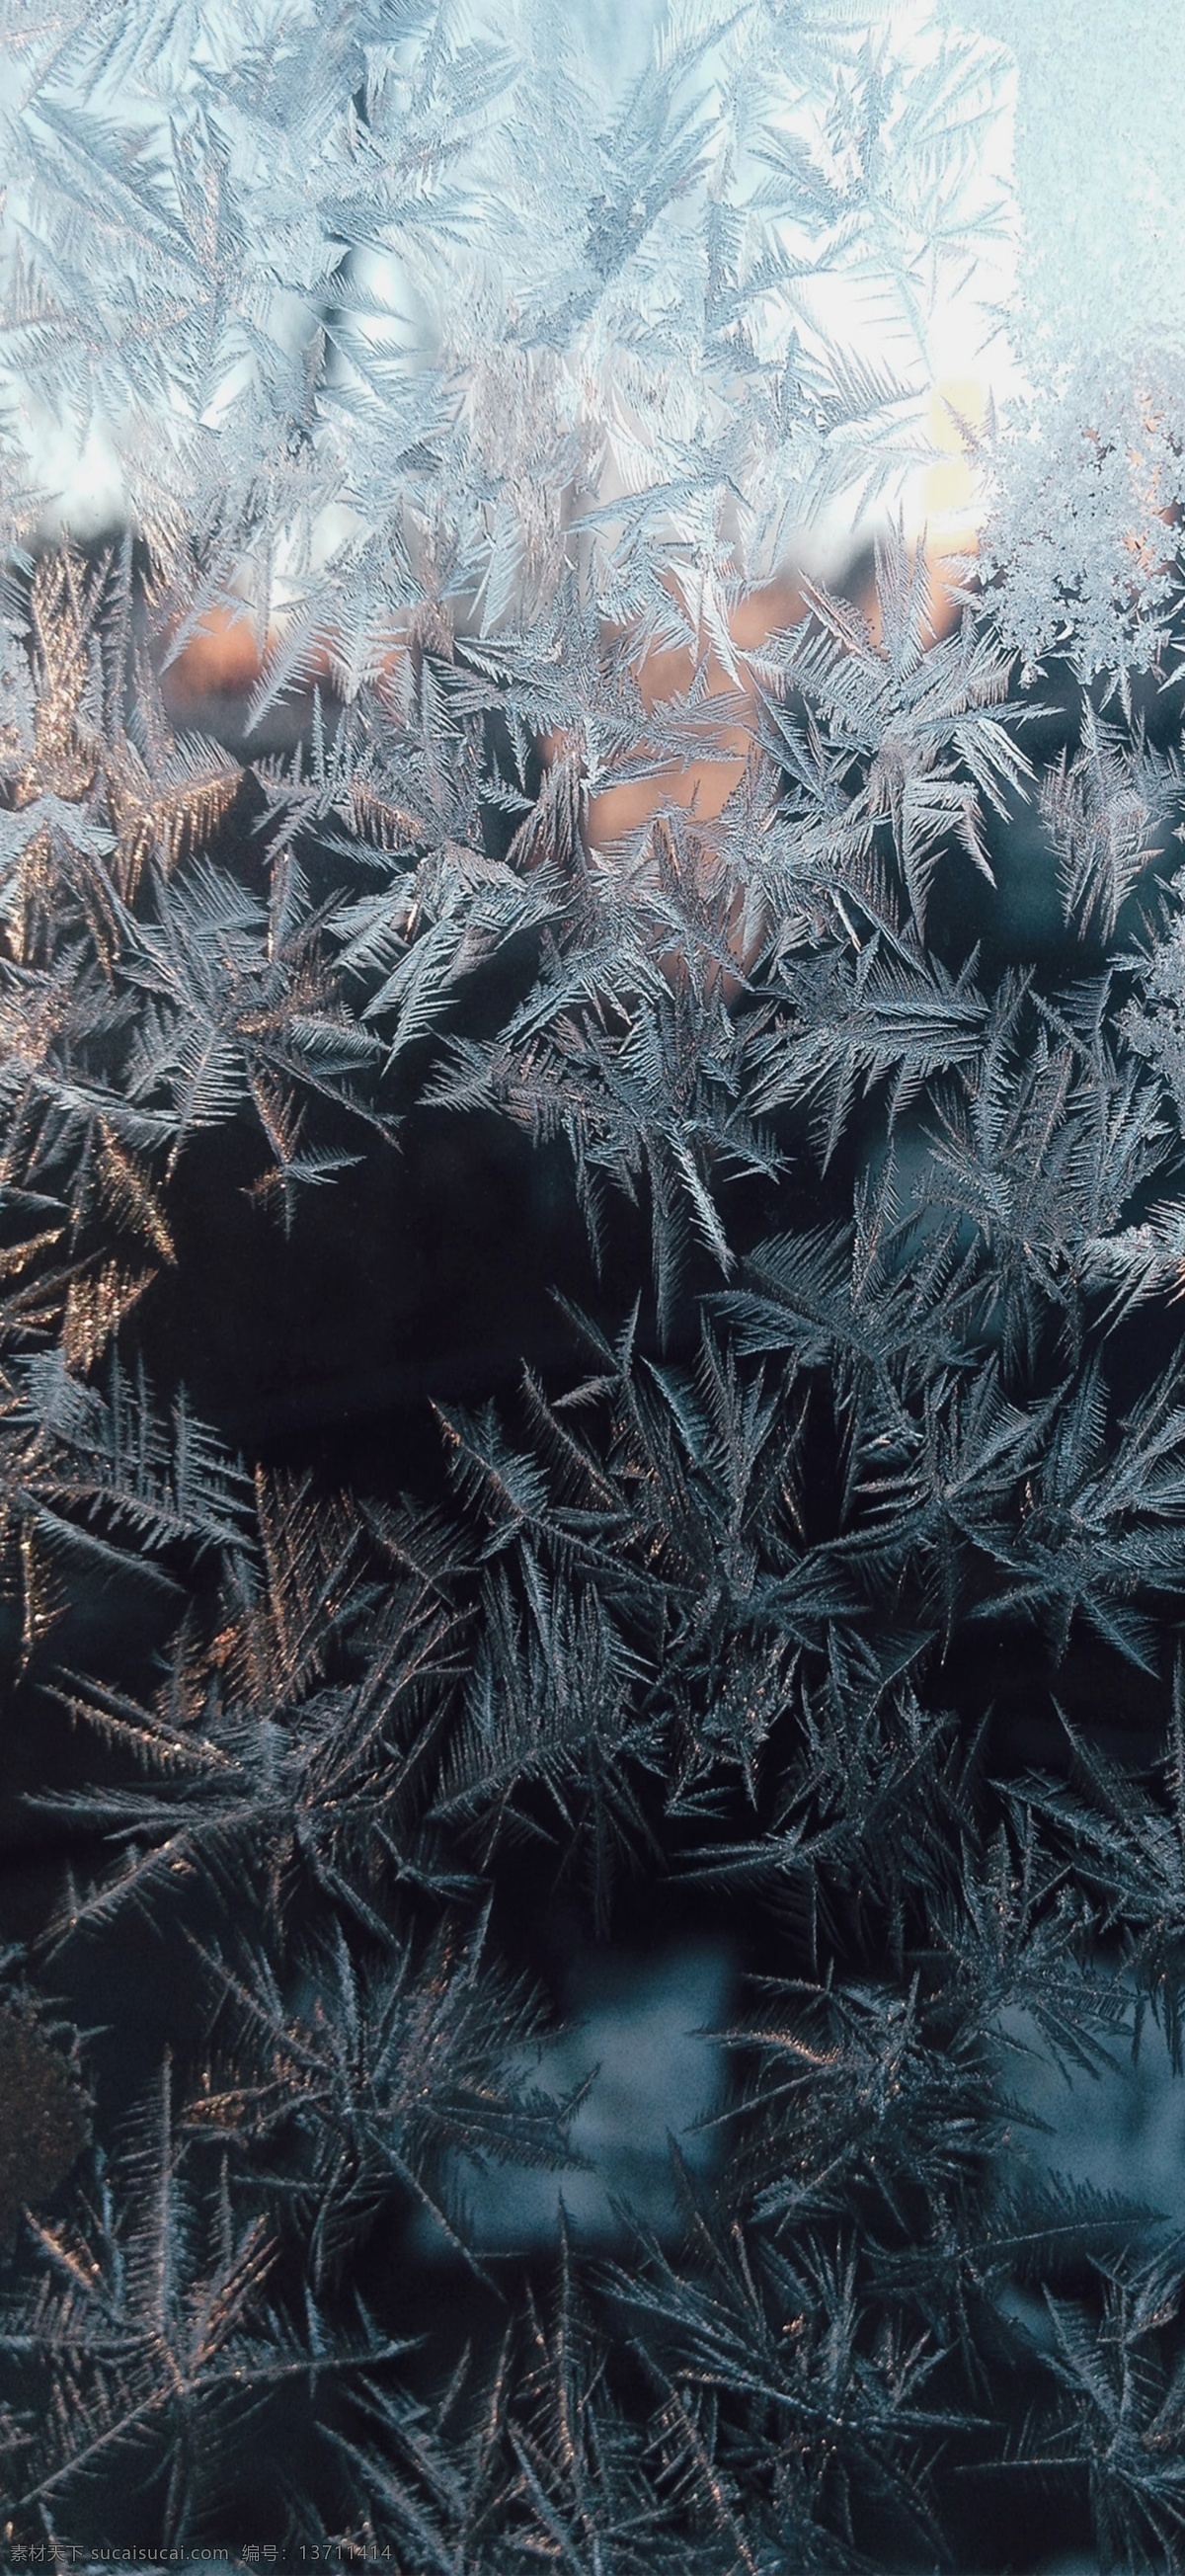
(370, 309)
(775, 980)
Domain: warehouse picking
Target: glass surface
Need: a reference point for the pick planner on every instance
(592, 1091)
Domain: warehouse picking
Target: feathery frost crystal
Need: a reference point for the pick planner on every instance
(592, 1228)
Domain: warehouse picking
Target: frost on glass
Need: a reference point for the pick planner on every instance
(592, 1225)
(1087, 469)
(388, 307)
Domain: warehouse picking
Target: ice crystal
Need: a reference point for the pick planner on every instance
(575, 980)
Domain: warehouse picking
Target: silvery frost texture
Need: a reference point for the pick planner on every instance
(593, 1221)
(1088, 464)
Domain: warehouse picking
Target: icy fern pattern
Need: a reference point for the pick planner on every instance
(816, 1569)
(377, 309)
(704, 1601)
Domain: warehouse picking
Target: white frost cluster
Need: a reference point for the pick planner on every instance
(399, 301)
(1087, 468)
(387, 302)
